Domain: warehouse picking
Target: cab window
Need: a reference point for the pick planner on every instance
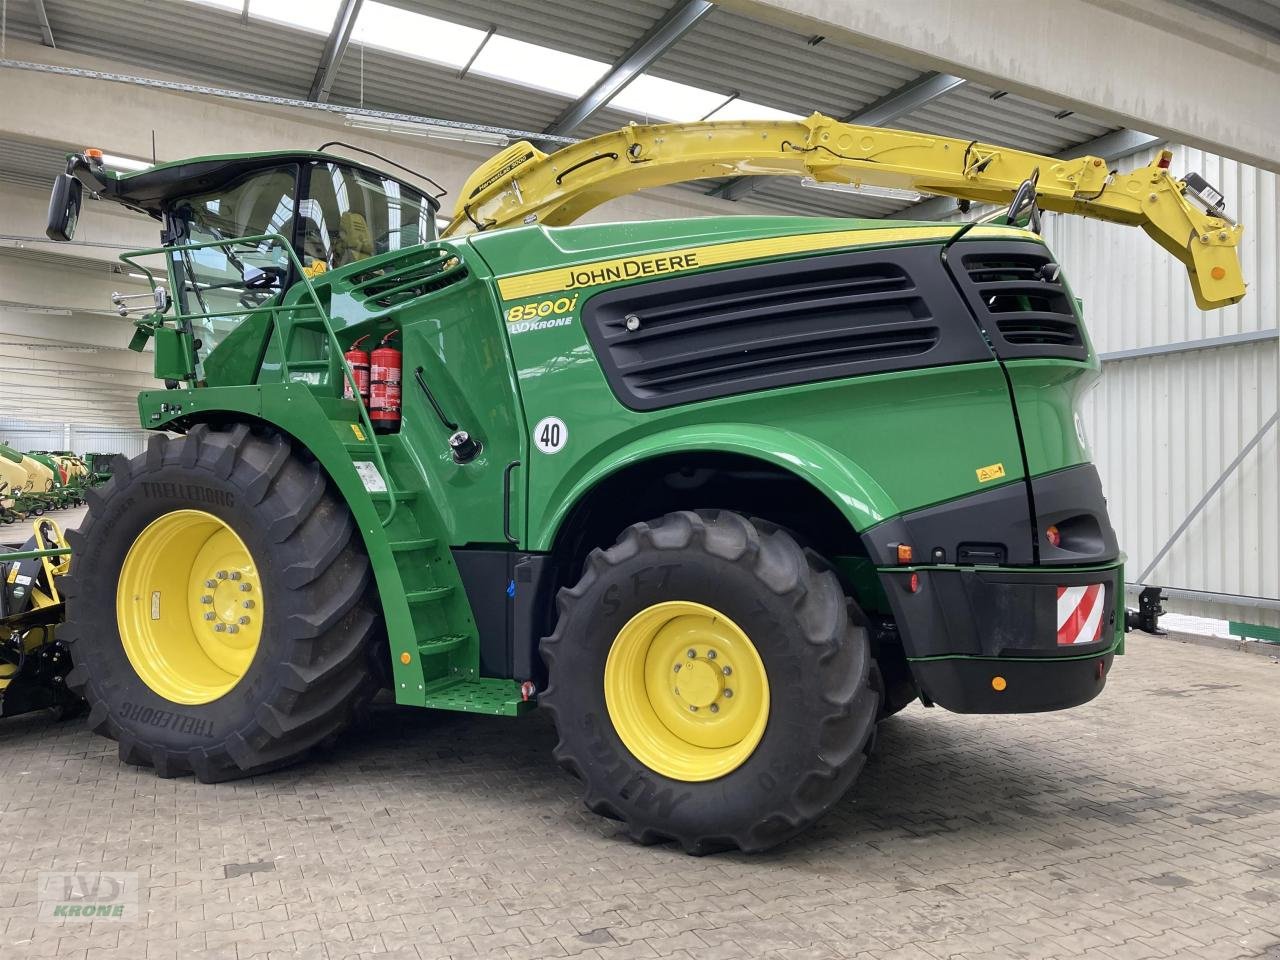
(351, 214)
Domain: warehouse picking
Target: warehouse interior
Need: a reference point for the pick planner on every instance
(1187, 393)
(1181, 424)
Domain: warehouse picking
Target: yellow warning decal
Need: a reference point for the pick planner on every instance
(993, 472)
(355, 428)
(695, 258)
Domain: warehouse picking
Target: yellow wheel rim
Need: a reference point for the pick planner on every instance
(686, 691)
(189, 607)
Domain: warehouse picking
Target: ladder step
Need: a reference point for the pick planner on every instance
(420, 543)
(428, 596)
(440, 644)
(483, 695)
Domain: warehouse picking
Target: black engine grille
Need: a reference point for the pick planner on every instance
(1015, 290)
(751, 328)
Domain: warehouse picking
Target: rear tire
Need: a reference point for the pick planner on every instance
(310, 671)
(821, 707)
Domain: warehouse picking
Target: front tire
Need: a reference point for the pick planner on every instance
(217, 607)
(704, 590)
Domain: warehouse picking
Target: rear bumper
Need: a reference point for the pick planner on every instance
(1011, 686)
(965, 626)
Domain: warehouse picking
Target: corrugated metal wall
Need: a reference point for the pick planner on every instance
(27, 435)
(24, 435)
(86, 438)
(1165, 428)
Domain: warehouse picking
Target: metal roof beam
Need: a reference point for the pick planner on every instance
(46, 31)
(897, 103)
(1109, 146)
(664, 34)
(335, 47)
(1113, 145)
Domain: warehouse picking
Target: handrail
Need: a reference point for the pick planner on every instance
(35, 554)
(349, 377)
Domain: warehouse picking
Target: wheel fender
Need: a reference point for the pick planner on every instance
(853, 491)
(292, 410)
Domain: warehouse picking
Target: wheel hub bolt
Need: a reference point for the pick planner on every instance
(715, 708)
(235, 574)
(692, 708)
(233, 629)
(711, 654)
(728, 692)
(244, 620)
(245, 587)
(691, 654)
(211, 584)
(726, 670)
(219, 628)
(248, 605)
(210, 615)
(206, 599)
(222, 574)
(677, 668)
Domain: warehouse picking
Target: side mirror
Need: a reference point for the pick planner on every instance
(64, 207)
(1024, 211)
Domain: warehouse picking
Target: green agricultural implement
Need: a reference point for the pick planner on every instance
(719, 494)
(99, 466)
(68, 474)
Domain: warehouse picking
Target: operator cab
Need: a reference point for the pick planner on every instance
(332, 211)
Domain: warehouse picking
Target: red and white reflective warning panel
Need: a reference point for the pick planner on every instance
(1080, 612)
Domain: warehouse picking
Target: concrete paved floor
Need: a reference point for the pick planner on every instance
(17, 533)
(1146, 824)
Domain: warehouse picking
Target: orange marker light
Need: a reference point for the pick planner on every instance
(1053, 535)
(1165, 159)
(1217, 273)
(904, 553)
(998, 684)
(405, 658)
(93, 153)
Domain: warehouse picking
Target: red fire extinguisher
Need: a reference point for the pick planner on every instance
(358, 360)
(384, 392)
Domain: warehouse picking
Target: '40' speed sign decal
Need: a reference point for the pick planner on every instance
(550, 435)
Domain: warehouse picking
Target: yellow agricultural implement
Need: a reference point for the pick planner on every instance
(33, 664)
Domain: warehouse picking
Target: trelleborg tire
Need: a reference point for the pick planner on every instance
(141, 613)
(709, 600)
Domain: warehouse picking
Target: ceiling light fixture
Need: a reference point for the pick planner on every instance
(124, 163)
(434, 131)
(865, 190)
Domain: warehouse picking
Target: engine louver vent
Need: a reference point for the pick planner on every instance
(415, 272)
(1022, 303)
(753, 328)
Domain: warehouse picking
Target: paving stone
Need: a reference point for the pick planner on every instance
(1143, 826)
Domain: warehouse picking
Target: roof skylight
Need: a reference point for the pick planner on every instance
(314, 15)
(531, 65)
(415, 34)
(652, 97)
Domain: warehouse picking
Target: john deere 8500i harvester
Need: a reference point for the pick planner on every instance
(718, 493)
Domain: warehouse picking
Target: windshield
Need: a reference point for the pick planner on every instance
(350, 214)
